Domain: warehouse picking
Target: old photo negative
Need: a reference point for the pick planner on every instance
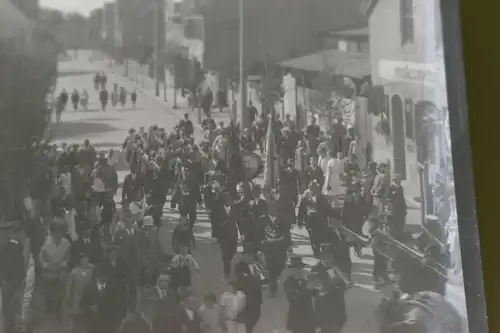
(238, 166)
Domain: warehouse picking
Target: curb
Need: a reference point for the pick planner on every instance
(152, 96)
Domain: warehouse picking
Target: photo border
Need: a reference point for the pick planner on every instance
(462, 167)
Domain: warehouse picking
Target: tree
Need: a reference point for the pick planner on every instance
(25, 82)
(328, 93)
(270, 88)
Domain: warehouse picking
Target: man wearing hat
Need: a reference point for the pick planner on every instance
(132, 243)
(106, 184)
(289, 189)
(286, 145)
(113, 291)
(54, 257)
(300, 316)
(250, 278)
(185, 318)
(398, 204)
(314, 211)
(330, 305)
(12, 271)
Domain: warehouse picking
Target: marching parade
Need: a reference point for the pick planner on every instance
(105, 262)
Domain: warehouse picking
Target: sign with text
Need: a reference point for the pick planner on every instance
(411, 72)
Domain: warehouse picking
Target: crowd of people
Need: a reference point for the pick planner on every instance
(80, 99)
(103, 262)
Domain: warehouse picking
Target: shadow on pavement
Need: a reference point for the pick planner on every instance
(91, 110)
(68, 129)
(128, 109)
(107, 145)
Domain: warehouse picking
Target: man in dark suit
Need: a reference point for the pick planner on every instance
(133, 187)
(250, 283)
(185, 317)
(90, 244)
(313, 172)
(105, 298)
(227, 232)
(132, 244)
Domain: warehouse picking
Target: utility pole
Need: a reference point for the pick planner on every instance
(159, 36)
(243, 114)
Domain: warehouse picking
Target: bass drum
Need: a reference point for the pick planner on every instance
(425, 312)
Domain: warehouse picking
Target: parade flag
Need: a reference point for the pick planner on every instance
(234, 158)
(271, 159)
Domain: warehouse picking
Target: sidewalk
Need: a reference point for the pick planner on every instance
(147, 86)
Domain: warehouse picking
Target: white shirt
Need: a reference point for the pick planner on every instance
(233, 304)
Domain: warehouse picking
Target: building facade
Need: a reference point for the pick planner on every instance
(408, 68)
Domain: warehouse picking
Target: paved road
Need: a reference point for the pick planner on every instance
(108, 129)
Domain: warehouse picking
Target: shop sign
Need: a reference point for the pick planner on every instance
(410, 72)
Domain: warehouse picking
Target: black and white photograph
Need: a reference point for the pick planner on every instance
(227, 166)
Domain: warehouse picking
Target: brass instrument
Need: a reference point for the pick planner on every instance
(432, 264)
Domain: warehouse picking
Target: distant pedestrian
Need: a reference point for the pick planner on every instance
(123, 96)
(97, 81)
(75, 99)
(63, 98)
(114, 98)
(103, 97)
(133, 97)
(84, 99)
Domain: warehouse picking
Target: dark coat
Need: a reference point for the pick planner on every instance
(133, 189)
(250, 285)
(300, 316)
(93, 249)
(181, 322)
(311, 174)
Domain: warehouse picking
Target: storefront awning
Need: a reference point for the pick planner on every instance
(351, 64)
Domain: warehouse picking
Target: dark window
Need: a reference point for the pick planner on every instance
(177, 8)
(409, 119)
(193, 28)
(386, 110)
(407, 22)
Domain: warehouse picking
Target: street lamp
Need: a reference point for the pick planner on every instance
(243, 82)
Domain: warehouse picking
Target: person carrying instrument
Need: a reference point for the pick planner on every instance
(300, 315)
(330, 285)
(314, 210)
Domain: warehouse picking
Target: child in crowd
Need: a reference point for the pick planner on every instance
(182, 236)
(209, 314)
(182, 264)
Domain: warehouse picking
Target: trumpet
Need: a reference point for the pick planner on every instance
(432, 264)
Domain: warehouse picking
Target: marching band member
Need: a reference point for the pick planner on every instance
(313, 172)
(300, 315)
(330, 288)
(314, 210)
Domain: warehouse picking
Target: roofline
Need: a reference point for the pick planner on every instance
(368, 6)
(343, 28)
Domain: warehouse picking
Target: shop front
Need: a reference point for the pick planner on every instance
(416, 113)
